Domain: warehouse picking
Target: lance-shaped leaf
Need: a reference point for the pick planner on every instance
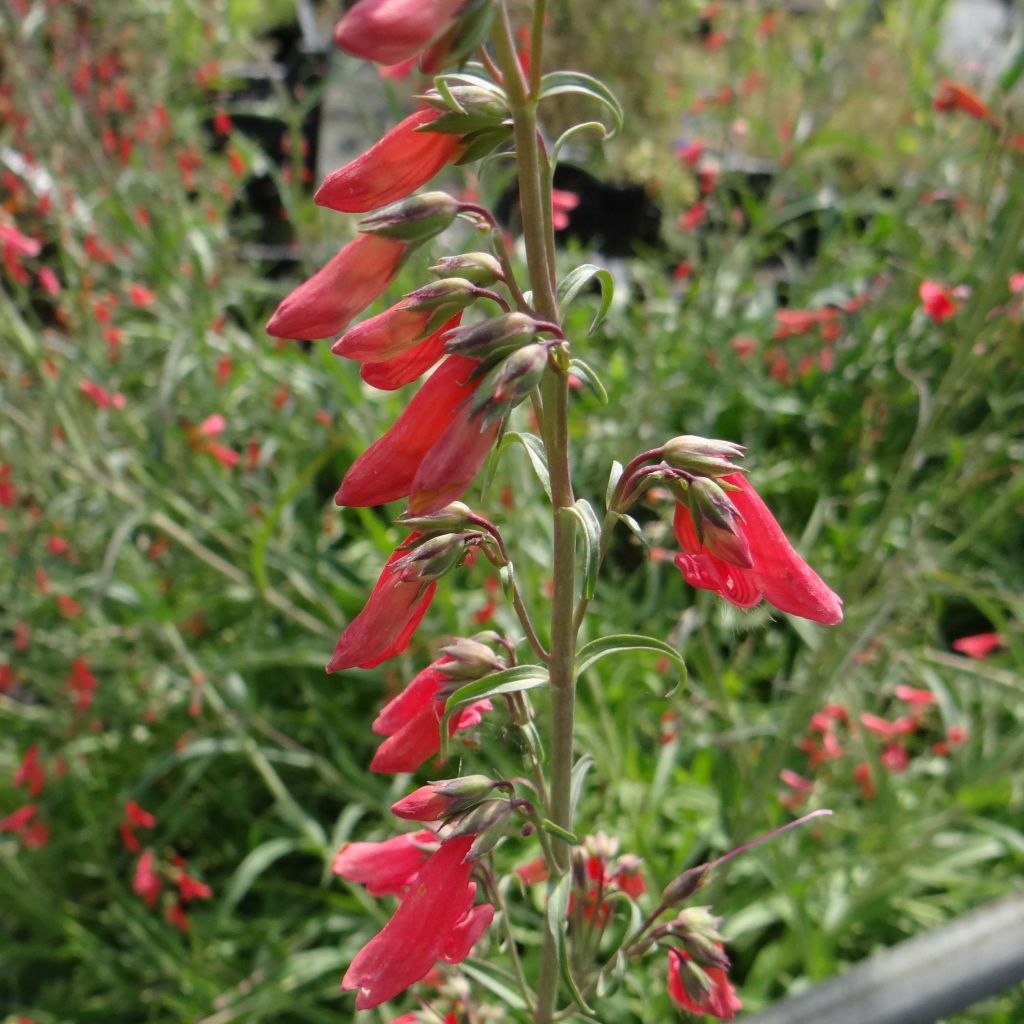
(622, 643)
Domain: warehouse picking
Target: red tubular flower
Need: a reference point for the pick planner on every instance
(397, 165)
(407, 367)
(390, 31)
(721, 1001)
(452, 462)
(434, 921)
(411, 722)
(31, 773)
(980, 645)
(957, 96)
(936, 301)
(146, 882)
(776, 573)
(386, 868)
(387, 622)
(340, 290)
(386, 470)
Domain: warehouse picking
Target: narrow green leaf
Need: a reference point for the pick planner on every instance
(591, 543)
(570, 984)
(613, 481)
(558, 83)
(579, 776)
(557, 908)
(534, 447)
(569, 133)
(590, 378)
(510, 680)
(573, 283)
(1011, 76)
(556, 830)
(633, 525)
(621, 643)
(250, 870)
(509, 996)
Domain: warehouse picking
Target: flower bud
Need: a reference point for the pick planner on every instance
(481, 268)
(698, 921)
(443, 299)
(476, 820)
(414, 219)
(683, 886)
(497, 335)
(450, 519)
(432, 557)
(701, 456)
(716, 521)
(439, 800)
(469, 659)
(466, 108)
(512, 379)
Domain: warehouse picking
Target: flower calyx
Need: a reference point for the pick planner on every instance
(469, 659)
(717, 521)
(431, 557)
(440, 800)
(481, 268)
(413, 220)
(702, 456)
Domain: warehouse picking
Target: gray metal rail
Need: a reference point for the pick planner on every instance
(923, 979)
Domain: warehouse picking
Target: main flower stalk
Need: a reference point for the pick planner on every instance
(534, 199)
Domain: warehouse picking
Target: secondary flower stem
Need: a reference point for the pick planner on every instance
(534, 178)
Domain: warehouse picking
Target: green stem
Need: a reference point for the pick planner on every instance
(534, 193)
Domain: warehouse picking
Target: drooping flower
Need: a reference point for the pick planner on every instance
(409, 366)
(134, 817)
(957, 96)
(385, 868)
(146, 881)
(388, 620)
(392, 168)
(412, 720)
(343, 288)
(387, 469)
(776, 572)
(31, 773)
(390, 31)
(936, 301)
(435, 920)
(721, 1001)
(980, 645)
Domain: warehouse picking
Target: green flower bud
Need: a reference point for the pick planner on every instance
(414, 219)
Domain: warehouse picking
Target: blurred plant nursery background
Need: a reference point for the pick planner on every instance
(814, 218)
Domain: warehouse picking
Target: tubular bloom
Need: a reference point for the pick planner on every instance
(390, 31)
(775, 571)
(396, 372)
(340, 290)
(721, 1001)
(411, 722)
(387, 622)
(397, 165)
(432, 451)
(385, 868)
(436, 920)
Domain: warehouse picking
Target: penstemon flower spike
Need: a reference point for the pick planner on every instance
(482, 366)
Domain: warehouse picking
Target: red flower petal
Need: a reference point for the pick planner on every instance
(385, 868)
(397, 165)
(390, 31)
(410, 943)
(387, 622)
(386, 470)
(340, 290)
